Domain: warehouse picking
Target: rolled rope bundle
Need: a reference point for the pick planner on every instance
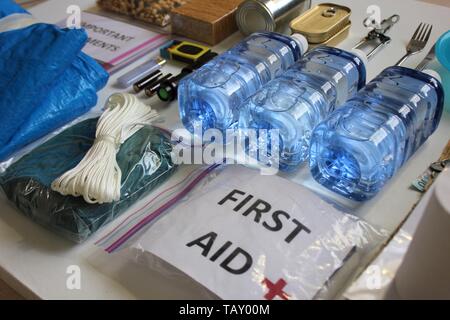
(98, 176)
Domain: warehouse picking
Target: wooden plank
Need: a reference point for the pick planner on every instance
(206, 21)
(6, 293)
(444, 3)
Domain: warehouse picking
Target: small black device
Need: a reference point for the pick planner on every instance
(168, 89)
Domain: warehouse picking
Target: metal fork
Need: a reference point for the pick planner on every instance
(417, 42)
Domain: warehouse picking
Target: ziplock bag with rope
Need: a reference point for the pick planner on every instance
(225, 228)
(144, 160)
(45, 80)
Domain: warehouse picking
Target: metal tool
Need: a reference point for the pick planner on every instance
(418, 41)
(439, 166)
(428, 58)
(377, 36)
(383, 26)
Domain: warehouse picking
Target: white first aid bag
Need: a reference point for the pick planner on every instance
(243, 235)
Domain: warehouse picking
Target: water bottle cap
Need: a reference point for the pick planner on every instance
(362, 55)
(301, 41)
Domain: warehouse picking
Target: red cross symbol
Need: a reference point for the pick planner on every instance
(275, 289)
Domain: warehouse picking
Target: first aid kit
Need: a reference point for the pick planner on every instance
(240, 240)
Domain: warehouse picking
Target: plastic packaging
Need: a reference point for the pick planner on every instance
(137, 221)
(301, 98)
(312, 264)
(18, 69)
(423, 273)
(73, 96)
(46, 81)
(27, 182)
(360, 146)
(378, 281)
(145, 69)
(210, 97)
(151, 11)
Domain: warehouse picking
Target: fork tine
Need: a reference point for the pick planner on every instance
(417, 31)
(428, 34)
(424, 32)
(417, 42)
(424, 25)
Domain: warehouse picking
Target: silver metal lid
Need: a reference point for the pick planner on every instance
(253, 16)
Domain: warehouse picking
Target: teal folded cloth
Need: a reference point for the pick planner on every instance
(26, 182)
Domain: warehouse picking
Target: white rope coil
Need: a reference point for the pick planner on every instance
(98, 176)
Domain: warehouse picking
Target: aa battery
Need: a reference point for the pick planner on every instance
(146, 81)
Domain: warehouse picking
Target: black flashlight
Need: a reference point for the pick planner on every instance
(168, 89)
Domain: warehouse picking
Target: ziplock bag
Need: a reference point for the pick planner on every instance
(46, 81)
(144, 160)
(241, 240)
(152, 11)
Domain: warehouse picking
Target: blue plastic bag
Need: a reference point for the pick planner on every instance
(45, 80)
(8, 7)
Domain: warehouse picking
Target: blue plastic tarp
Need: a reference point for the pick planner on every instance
(8, 7)
(45, 80)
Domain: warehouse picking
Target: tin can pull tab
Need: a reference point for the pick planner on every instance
(329, 12)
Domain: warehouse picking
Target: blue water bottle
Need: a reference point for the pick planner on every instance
(301, 98)
(210, 97)
(361, 145)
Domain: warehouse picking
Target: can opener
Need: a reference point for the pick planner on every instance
(377, 37)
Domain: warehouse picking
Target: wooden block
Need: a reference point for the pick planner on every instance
(208, 21)
(6, 293)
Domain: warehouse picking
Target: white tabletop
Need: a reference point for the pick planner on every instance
(34, 261)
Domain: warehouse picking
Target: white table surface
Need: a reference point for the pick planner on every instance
(34, 261)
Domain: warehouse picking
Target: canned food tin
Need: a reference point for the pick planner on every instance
(322, 22)
(268, 15)
(338, 37)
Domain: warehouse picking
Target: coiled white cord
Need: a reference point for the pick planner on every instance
(98, 176)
